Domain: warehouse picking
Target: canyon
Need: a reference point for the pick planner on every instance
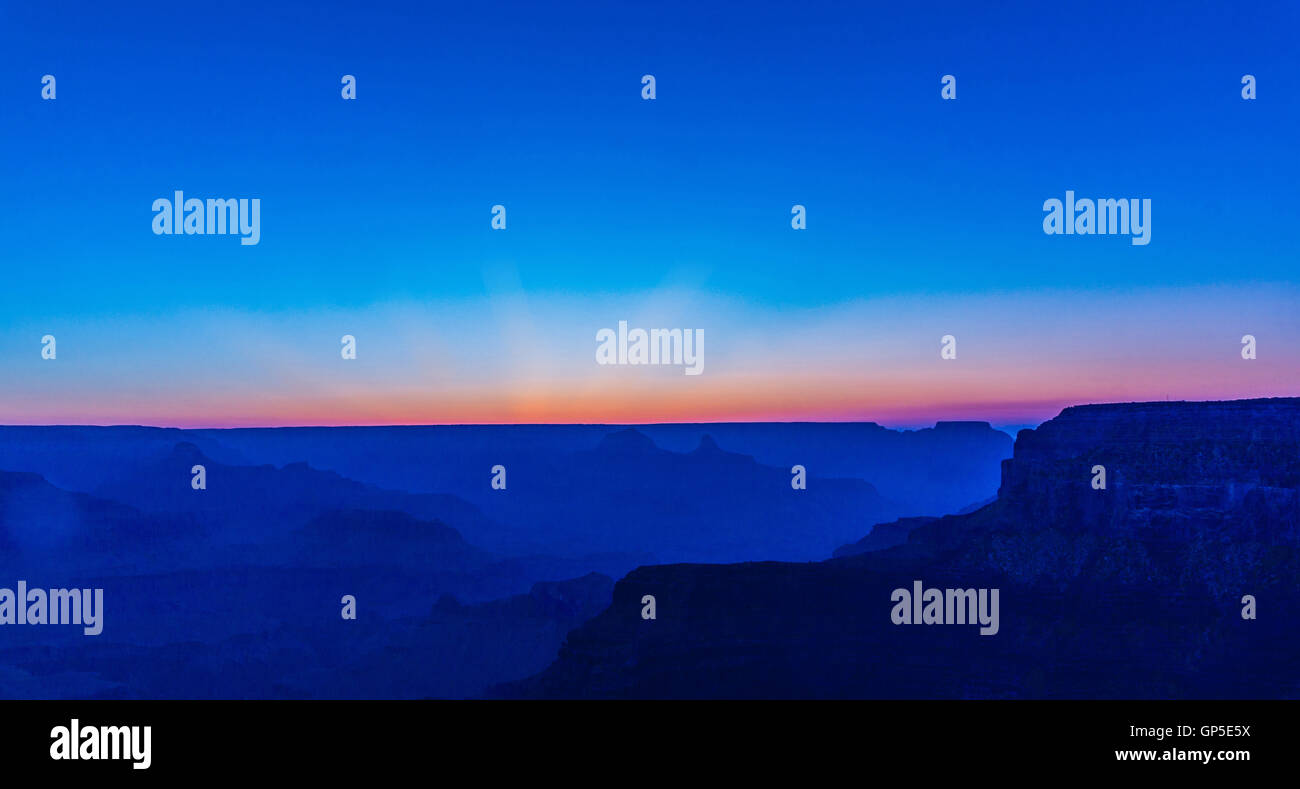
(1133, 591)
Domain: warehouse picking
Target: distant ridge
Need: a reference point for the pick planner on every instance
(932, 471)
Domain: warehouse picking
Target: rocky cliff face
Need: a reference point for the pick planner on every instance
(1196, 490)
(1132, 590)
(1166, 465)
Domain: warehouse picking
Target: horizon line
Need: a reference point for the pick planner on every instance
(913, 426)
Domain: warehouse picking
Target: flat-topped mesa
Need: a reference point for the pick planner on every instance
(1182, 422)
(1164, 462)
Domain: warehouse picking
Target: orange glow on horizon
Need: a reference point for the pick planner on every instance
(724, 399)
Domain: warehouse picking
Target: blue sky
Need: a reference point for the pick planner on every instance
(835, 106)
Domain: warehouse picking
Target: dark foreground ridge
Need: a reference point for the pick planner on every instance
(1131, 591)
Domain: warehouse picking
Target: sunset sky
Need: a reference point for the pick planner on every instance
(924, 215)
